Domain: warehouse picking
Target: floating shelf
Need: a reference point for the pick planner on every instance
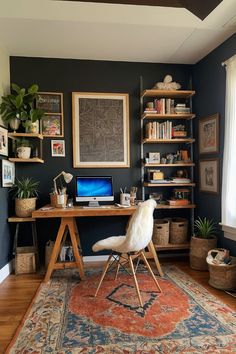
(171, 246)
(146, 184)
(168, 141)
(25, 135)
(166, 206)
(168, 116)
(33, 159)
(168, 93)
(187, 164)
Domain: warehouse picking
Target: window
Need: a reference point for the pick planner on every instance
(228, 212)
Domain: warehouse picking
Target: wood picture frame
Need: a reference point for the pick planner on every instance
(3, 141)
(52, 123)
(100, 125)
(209, 176)
(208, 134)
(8, 173)
(58, 148)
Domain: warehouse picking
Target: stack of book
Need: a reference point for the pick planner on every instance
(181, 108)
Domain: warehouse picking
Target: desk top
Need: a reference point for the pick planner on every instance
(78, 211)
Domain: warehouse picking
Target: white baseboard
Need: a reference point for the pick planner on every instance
(5, 271)
(101, 258)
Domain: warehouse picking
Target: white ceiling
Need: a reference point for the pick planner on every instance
(86, 30)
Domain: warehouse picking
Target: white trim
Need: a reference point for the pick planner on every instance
(101, 258)
(5, 271)
(229, 232)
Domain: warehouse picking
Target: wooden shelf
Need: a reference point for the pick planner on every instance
(171, 246)
(187, 164)
(168, 116)
(166, 206)
(168, 141)
(168, 93)
(33, 159)
(146, 184)
(25, 135)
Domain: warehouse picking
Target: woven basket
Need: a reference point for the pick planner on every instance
(223, 277)
(25, 260)
(58, 201)
(25, 206)
(178, 231)
(160, 234)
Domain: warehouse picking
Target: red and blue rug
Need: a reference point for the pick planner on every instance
(65, 318)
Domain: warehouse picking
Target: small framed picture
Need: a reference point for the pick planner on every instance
(8, 173)
(52, 125)
(3, 141)
(209, 134)
(209, 176)
(154, 157)
(58, 148)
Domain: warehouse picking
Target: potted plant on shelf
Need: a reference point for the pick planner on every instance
(19, 106)
(202, 242)
(23, 148)
(25, 194)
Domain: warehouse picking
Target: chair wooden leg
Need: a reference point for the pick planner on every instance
(103, 274)
(135, 281)
(151, 272)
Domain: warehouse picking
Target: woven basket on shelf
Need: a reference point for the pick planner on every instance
(25, 260)
(160, 234)
(223, 276)
(178, 231)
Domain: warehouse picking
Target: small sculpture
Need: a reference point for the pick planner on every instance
(167, 84)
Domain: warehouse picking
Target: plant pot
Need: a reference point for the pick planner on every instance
(14, 123)
(23, 152)
(25, 206)
(199, 248)
(32, 128)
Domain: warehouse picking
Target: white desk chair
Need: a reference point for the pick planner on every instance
(131, 246)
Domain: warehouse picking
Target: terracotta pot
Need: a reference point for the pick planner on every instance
(199, 248)
(25, 206)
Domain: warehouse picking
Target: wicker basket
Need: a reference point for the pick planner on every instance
(160, 234)
(178, 231)
(25, 260)
(223, 277)
(58, 201)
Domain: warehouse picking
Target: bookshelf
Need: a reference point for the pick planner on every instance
(36, 136)
(164, 141)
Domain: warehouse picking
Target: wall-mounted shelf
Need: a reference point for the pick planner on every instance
(146, 184)
(166, 206)
(36, 136)
(170, 246)
(187, 164)
(32, 159)
(186, 116)
(168, 93)
(168, 141)
(25, 135)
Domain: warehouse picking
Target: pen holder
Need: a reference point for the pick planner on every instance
(58, 200)
(125, 199)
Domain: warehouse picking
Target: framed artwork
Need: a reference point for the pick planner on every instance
(52, 123)
(209, 134)
(100, 130)
(58, 148)
(3, 141)
(8, 173)
(209, 176)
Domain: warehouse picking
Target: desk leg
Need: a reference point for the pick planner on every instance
(74, 236)
(152, 250)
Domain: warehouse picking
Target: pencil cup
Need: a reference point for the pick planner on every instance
(125, 199)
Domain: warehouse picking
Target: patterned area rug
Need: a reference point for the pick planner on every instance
(65, 318)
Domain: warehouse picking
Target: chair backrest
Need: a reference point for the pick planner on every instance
(140, 228)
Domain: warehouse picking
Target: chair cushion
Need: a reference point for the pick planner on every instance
(109, 243)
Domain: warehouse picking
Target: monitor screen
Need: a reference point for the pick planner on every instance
(94, 188)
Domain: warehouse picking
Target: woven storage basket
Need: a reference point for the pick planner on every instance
(223, 277)
(25, 260)
(178, 230)
(160, 234)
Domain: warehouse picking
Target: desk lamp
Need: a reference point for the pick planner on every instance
(67, 178)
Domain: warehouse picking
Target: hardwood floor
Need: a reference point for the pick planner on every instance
(17, 292)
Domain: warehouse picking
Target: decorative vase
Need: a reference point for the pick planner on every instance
(33, 127)
(25, 206)
(23, 152)
(14, 123)
(199, 248)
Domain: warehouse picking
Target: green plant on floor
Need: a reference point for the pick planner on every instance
(204, 228)
(25, 188)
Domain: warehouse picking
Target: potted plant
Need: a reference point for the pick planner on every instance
(202, 242)
(19, 107)
(25, 194)
(23, 148)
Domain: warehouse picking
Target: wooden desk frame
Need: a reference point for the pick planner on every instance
(68, 225)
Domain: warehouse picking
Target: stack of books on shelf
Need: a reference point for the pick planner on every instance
(182, 109)
(156, 130)
(164, 106)
(181, 180)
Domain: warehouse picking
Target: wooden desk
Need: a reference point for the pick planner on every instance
(68, 224)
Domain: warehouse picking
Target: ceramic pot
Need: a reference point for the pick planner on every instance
(25, 206)
(33, 128)
(199, 248)
(14, 123)
(23, 152)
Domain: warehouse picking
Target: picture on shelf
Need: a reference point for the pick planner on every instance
(52, 125)
(154, 157)
(58, 148)
(8, 173)
(209, 176)
(209, 134)
(3, 141)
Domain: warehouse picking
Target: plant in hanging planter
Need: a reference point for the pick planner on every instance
(25, 192)
(18, 106)
(23, 148)
(202, 242)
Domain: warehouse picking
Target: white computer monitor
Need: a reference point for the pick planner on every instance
(93, 189)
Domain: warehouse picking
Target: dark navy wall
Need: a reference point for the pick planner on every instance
(209, 82)
(5, 236)
(69, 76)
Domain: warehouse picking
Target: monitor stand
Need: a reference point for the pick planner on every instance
(94, 204)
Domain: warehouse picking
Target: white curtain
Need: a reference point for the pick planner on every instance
(228, 213)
